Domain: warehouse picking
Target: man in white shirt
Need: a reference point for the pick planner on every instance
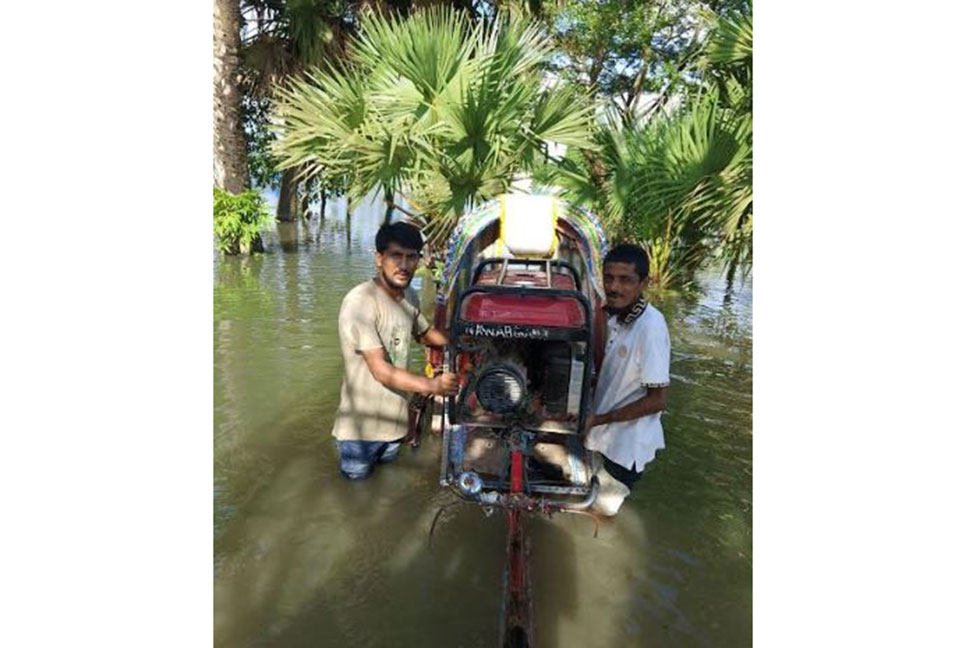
(625, 427)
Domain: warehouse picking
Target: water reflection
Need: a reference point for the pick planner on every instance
(304, 557)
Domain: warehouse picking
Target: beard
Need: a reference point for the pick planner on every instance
(619, 310)
(394, 283)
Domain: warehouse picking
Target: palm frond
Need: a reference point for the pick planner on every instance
(433, 108)
(731, 44)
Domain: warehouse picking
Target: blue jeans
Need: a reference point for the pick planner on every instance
(356, 458)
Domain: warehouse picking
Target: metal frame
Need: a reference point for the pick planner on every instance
(505, 262)
(516, 628)
(460, 327)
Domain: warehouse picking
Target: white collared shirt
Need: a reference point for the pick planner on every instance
(637, 355)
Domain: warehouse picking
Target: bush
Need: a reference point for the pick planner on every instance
(238, 221)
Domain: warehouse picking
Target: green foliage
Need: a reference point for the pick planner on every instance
(239, 221)
(289, 35)
(729, 59)
(435, 107)
(448, 108)
(731, 48)
(259, 137)
(679, 184)
(284, 36)
(622, 49)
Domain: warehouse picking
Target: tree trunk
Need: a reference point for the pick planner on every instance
(348, 219)
(388, 217)
(288, 197)
(730, 281)
(306, 200)
(630, 106)
(733, 264)
(230, 157)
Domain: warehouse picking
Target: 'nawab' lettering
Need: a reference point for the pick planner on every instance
(507, 331)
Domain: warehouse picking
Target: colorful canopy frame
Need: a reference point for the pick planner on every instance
(570, 220)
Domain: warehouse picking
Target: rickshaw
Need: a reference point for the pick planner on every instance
(521, 297)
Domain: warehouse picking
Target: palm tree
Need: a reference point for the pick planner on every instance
(694, 178)
(230, 161)
(433, 107)
(680, 184)
(731, 55)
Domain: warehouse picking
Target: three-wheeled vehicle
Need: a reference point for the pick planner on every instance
(520, 296)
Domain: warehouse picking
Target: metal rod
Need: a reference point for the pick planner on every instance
(444, 451)
(587, 501)
(503, 268)
(516, 472)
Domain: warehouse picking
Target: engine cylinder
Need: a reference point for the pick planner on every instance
(555, 377)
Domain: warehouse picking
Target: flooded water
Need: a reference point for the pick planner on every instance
(304, 558)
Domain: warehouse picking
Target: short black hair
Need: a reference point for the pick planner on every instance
(403, 234)
(630, 253)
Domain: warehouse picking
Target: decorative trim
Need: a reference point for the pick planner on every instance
(636, 311)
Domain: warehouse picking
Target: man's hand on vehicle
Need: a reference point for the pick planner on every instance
(446, 384)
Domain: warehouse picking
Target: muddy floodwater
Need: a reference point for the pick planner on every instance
(304, 558)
